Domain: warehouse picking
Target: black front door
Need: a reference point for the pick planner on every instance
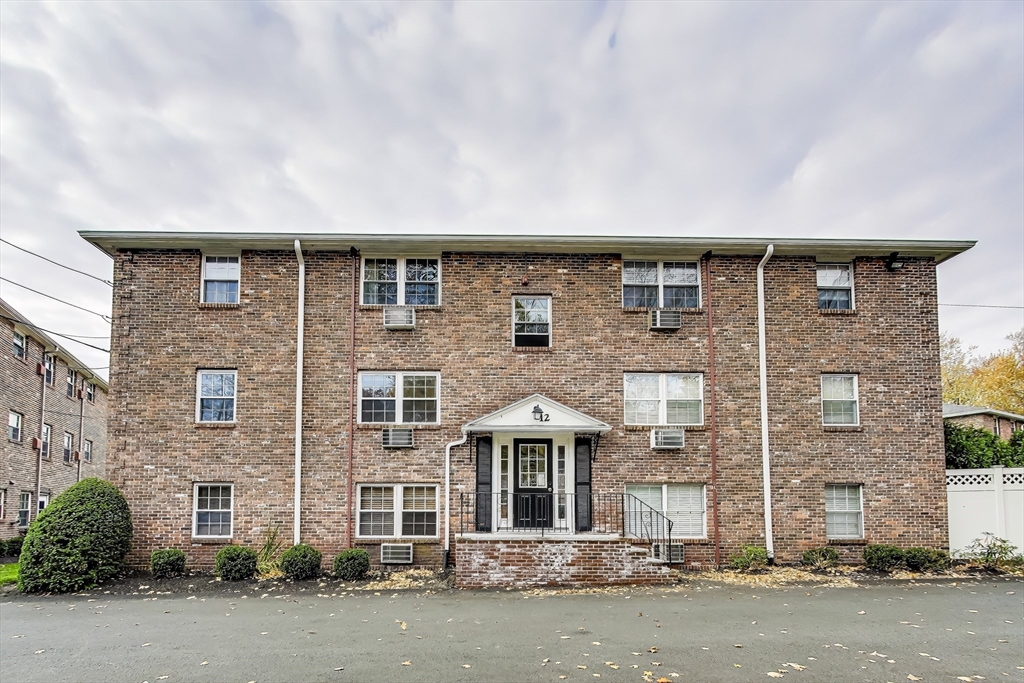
(532, 486)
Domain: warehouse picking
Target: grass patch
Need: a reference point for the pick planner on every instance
(8, 573)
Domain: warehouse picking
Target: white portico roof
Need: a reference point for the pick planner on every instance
(519, 417)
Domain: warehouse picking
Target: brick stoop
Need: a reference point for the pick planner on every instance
(528, 563)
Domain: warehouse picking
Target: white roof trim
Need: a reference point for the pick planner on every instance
(518, 417)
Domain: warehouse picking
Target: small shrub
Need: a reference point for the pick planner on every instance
(883, 558)
(268, 562)
(301, 562)
(167, 563)
(820, 558)
(12, 546)
(940, 560)
(751, 559)
(989, 551)
(78, 541)
(924, 559)
(352, 564)
(236, 563)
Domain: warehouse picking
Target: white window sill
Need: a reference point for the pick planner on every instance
(216, 425)
(553, 536)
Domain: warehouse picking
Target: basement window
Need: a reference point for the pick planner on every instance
(844, 511)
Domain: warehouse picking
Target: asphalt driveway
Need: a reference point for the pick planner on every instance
(933, 631)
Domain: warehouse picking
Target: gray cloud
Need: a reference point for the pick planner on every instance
(770, 119)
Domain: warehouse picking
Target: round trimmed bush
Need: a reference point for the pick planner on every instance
(236, 563)
(883, 558)
(167, 563)
(820, 558)
(78, 541)
(301, 562)
(352, 564)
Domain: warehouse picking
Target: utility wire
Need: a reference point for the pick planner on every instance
(105, 317)
(981, 306)
(73, 270)
(66, 336)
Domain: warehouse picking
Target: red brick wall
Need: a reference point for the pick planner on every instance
(162, 335)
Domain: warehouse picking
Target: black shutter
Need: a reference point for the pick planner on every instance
(483, 484)
(583, 502)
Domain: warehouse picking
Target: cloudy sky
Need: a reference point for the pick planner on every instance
(824, 119)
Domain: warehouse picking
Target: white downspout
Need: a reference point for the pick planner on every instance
(298, 393)
(766, 472)
(448, 493)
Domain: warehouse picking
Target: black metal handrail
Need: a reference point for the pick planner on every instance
(569, 513)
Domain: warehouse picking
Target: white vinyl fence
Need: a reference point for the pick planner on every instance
(989, 500)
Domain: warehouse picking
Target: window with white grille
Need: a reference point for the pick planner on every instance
(87, 450)
(660, 284)
(20, 345)
(401, 281)
(48, 368)
(14, 425)
(212, 510)
(663, 399)
(90, 392)
(835, 286)
(399, 397)
(69, 447)
(24, 507)
(839, 400)
(220, 279)
(215, 395)
(72, 379)
(684, 504)
(45, 448)
(531, 321)
(844, 511)
(414, 506)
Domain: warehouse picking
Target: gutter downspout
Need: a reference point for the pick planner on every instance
(714, 425)
(81, 432)
(301, 315)
(33, 509)
(447, 494)
(352, 394)
(766, 473)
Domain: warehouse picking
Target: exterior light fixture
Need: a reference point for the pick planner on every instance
(894, 262)
(538, 414)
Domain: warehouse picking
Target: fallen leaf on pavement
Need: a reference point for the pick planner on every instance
(795, 666)
(653, 649)
(581, 666)
(775, 674)
(407, 663)
(203, 663)
(465, 666)
(339, 668)
(737, 645)
(912, 677)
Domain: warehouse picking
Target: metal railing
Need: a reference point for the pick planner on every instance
(569, 513)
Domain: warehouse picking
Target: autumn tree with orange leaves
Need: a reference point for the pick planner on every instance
(995, 381)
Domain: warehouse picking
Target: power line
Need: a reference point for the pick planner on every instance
(67, 303)
(106, 282)
(981, 306)
(66, 336)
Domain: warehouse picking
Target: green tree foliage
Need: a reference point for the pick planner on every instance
(78, 541)
(973, 448)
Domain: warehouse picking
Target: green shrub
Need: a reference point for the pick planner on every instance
(167, 563)
(752, 558)
(12, 546)
(820, 558)
(352, 564)
(883, 558)
(78, 541)
(236, 563)
(301, 562)
(989, 551)
(940, 560)
(974, 448)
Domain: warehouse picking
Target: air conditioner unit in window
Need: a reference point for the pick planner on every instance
(40, 369)
(396, 553)
(659, 551)
(79, 395)
(400, 317)
(397, 437)
(36, 443)
(666, 320)
(668, 438)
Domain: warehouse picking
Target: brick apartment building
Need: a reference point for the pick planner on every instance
(56, 421)
(1001, 423)
(533, 410)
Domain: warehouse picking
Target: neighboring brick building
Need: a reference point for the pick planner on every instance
(39, 463)
(999, 422)
(577, 369)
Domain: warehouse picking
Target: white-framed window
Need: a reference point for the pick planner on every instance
(220, 279)
(660, 284)
(48, 367)
(663, 398)
(69, 447)
(531, 321)
(835, 286)
(839, 401)
(20, 345)
(399, 397)
(24, 507)
(90, 392)
(401, 281)
(45, 448)
(44, 500)
(72, 379)
(215, 395)
(684, 504)
(844, 511)
(3, 504)
(212, 508)
(14, 421)
(87, 450)
(397, 510)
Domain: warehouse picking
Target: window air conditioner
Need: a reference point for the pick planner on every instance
(396, 437)
(668, 438)
(666, 320)
(396, 553)
(400, 317)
